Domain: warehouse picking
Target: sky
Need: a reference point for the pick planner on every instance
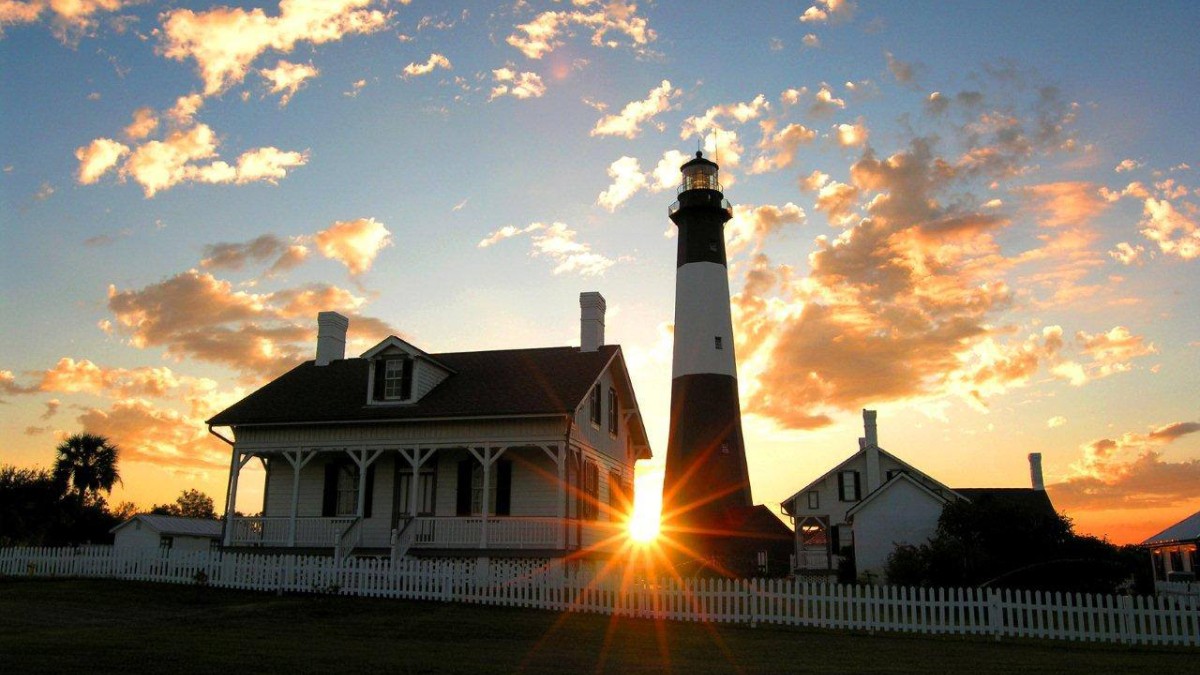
(978, 218)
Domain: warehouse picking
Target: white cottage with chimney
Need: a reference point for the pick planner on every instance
(874, 501)
(517, 452)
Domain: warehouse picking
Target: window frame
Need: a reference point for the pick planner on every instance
(403, 382)
(595, 412)
(849, 493)
(814, 499)
(613, 413)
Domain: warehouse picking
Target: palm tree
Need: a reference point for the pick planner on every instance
(88, 464)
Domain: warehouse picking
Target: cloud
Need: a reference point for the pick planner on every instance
(144, 123)
(829, 10)
(516, 84)
(751, 224)
(194, 315)
(903, 72)
(1110, 353)
(1128, 165)
(434, 61)
(287, 254)
(1129, 472)
(1127, 254)
(96, 158)
(71, 18)
(666, 174)
(557, 242)
(779, 148)
(225, 41)
(627, 180)
(1175, 233)
(627, 123)
(825, 103)
(506, 232)
(354, 243)
(286, 78)
(545, 32)
(51, 408)
(852, 135)
(811, 41)
(741, 113)
(9, 386)
(1056, 422)
(145, 432)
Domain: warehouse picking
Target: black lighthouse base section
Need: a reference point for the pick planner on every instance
(741, 542)
(706, 458)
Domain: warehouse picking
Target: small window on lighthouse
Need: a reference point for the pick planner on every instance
(718, 341)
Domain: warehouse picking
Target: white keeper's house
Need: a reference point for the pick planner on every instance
(517, 452)
(874, 501)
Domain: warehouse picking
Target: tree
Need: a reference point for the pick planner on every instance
(189, 504)
(87, 465)
(993, 541)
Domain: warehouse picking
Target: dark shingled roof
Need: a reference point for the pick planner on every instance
(1027, 500)
(551, 380)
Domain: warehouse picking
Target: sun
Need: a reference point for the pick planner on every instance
(647, 507)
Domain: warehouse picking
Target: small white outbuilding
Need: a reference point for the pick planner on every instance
(149, 530)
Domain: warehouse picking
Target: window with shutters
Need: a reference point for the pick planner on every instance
(848, 486)
(594, 412)
(618, 498)
(347, 490)
(590, 508)
(397, 379)
(613, 412)
(426, 490)
(477, 490)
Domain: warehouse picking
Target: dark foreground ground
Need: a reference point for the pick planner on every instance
(112, 626)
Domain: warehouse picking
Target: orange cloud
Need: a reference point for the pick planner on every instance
(557, 242)
(627, 177)
(740, 112)
(544, 34)
(71, 18)
(148, 433)
(516, 84)
(224, 41)
(779, 148)
(286, 78)
(435, 61)
(96, 158)
(354, 243)
(627, 123)
(195, 315)
(1129, 472)
(234, 256)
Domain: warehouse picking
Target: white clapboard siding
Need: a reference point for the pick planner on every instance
(580, 587)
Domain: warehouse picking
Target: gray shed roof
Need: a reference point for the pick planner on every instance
(177, 526)
(1187, 529)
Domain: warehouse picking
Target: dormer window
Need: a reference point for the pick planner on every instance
(394, 379)
(397, 379)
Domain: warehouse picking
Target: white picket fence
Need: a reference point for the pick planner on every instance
(581, 587)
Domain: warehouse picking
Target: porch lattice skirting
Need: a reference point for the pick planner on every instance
(577, 587)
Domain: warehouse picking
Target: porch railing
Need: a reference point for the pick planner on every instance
(812, 560)
(501, 532)
(261, 531)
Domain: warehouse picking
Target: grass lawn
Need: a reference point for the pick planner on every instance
(49, 625)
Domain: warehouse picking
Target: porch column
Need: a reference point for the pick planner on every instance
(298, 459)
(487, 458)
(557, 454)
(235, 468)
(415, 460)
(364, 459)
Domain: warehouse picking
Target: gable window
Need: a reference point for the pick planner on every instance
(612, 411)
(594, 406)
(397, 379)
(814, 499)
(849, 486)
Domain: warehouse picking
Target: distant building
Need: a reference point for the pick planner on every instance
(152, 531)
(517, 452)
(1174, 550)
(874, 501)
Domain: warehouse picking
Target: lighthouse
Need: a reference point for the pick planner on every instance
(706, 481)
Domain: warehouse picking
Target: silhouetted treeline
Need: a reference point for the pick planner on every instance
(994, 542)
(38, 509)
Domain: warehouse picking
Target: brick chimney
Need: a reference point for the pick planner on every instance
(870, 444)
(591, 321)
(1035, 471)
(331, 337)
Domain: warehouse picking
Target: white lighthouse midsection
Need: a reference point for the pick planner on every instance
(703, 328)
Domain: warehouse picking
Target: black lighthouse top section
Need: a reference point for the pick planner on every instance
(700, 187)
